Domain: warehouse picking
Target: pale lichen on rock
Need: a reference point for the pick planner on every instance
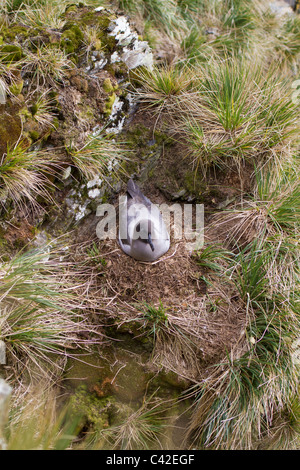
(133, 52)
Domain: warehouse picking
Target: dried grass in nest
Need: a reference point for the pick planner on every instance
(170, 279)
(195, 335)
(198, 336)
(202, 325)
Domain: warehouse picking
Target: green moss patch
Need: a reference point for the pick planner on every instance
(71, 38)
(10, 53)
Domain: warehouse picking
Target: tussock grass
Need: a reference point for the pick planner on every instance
(37, 422)
(273, 210)
(24, 174)
(42, 314)
(237, 114)
(288, 40)
(225, 113)
(43, 14)
(161, 13)
(140, 429)
(200, 29)
(99, 156)
(91, 39)
(46, 66)
(161, 87)
(42, 110)
(245, 396)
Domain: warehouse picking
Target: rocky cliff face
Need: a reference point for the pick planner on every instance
(62, 88)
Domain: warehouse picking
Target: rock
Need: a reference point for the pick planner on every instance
(5, 394)
(134, 52)
(2, 352)
(280, 8)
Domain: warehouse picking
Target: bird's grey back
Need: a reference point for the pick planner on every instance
(135, 194)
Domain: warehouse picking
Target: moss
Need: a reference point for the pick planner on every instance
(34, 108)
(137, 136)
(95, 411)
(97, 45)
(34, 135)
(71, 38)
(109, 104)
(196, 186)
(16, 88)
(101, 21)
(55, 123)
(72, 7)
(10, 53)
(15, 31)
(108, 86)
(25, 114)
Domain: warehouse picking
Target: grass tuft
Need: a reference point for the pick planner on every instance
(24, 174)
(41, 314)
(99, 156)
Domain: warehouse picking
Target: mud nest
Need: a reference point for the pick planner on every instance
(203, 321)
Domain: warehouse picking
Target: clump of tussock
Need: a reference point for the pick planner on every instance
(42, 109)
(226, 113)
(43, 319)
(38, 421)
(25, 174)
(45, 66)
(99, 156)
(272, 211)
(160, 87)
(246, 394)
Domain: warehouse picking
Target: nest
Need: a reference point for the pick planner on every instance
(170, 279)
(202, 324)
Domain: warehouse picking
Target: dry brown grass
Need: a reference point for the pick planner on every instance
(202, 322)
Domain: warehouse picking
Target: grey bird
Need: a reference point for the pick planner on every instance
(142, 231)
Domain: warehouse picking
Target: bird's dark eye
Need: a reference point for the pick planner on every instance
(138, 227)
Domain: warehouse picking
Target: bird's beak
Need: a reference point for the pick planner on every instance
(150, 241)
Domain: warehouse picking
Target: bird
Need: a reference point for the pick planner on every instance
(142, 231)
